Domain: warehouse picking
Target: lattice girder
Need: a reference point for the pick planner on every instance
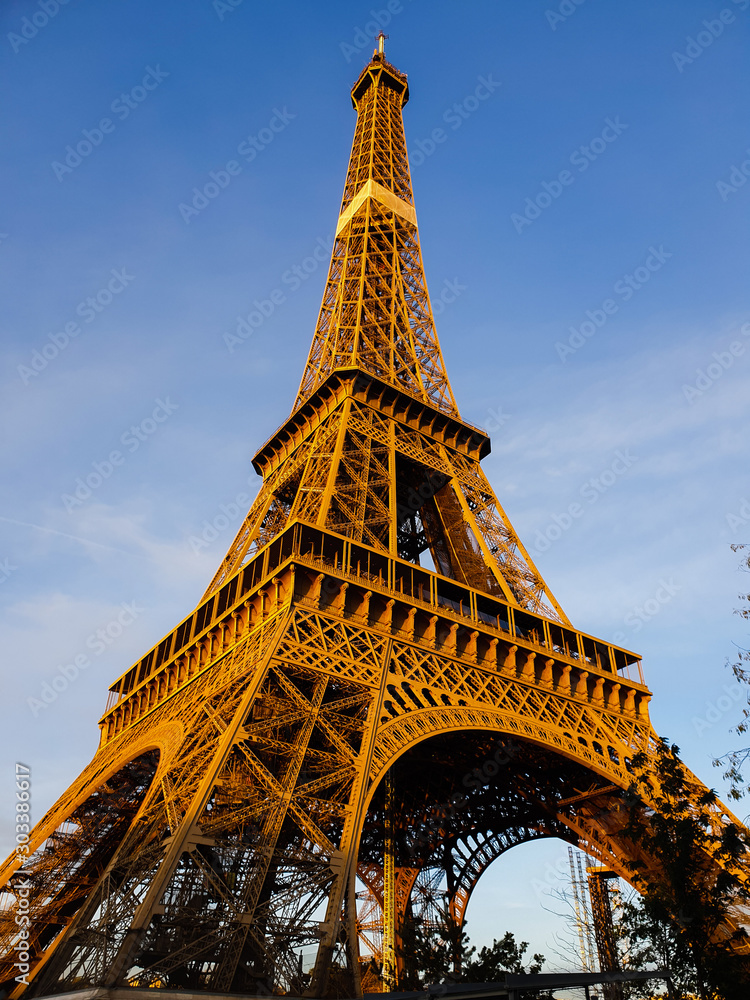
(275, 727)
(376, 312)
(461, 836)
(216, 836)
(335, 461)
(348, 460)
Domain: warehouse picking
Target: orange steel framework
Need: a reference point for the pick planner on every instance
(220, 838)
(604, 928)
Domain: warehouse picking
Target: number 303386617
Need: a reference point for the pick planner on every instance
(23, 808)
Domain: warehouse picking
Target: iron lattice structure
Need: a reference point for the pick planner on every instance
(604, 927)
(229, 834)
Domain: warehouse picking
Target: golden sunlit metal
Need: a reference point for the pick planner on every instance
(376, 615)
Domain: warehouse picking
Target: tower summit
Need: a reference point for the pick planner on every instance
(375, 698)
(375, 313)
(375, 448)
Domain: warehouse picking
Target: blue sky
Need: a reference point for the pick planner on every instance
(644, 239)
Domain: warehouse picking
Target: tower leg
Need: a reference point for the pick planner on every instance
(604, 930)
(389, 889)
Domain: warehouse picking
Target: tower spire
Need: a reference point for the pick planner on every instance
(375, 448)
(376, 311)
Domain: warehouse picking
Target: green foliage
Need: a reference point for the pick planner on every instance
(505, 956)
(443, 953)
(686, 871)
(436, 954)
(648, 942)
(736, 761)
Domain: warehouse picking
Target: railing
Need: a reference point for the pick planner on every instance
(400, 579)
(466, 613)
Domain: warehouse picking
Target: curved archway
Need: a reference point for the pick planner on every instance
(64, 869)
(431, 895)
(467, 795)
(605, 753)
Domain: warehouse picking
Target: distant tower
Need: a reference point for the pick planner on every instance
(377, 614)
(599, 878)
(582, 915)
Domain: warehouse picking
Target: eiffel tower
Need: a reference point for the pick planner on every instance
(376, 697)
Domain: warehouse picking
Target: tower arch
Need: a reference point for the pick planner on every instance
(324, 656)
(60, 872)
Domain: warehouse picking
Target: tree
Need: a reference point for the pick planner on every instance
(442, 952)
(504, 957)
(438, 951)
(736, 761)
(648, 942)
(688, 872)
